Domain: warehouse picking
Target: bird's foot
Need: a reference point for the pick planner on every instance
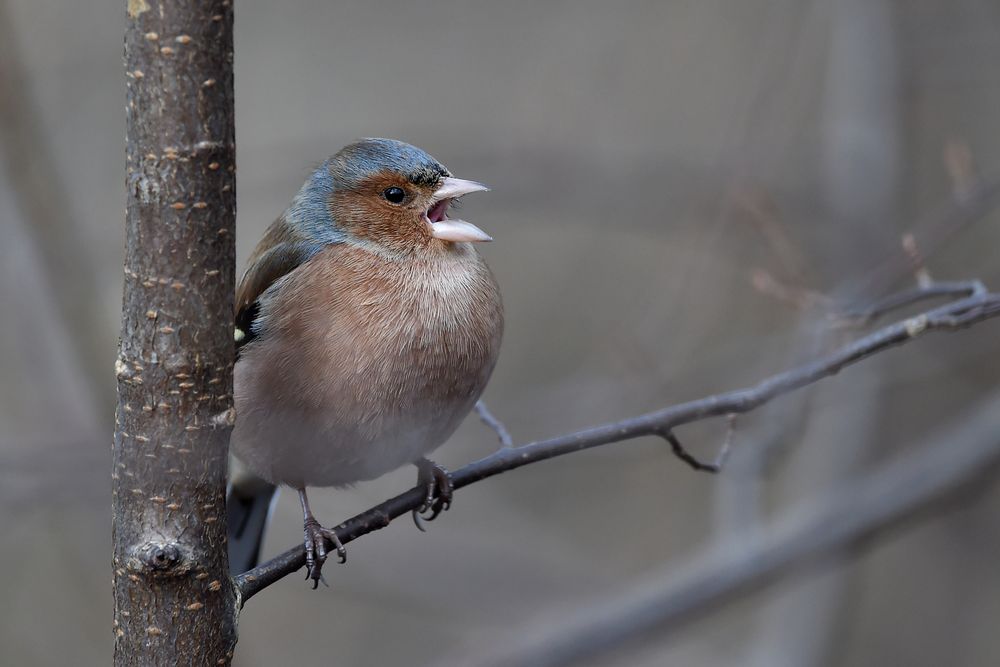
(438, 488)
(315, 544)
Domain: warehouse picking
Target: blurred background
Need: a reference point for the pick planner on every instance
(680, 189)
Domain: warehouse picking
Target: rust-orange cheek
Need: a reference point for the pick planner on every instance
(370, 217)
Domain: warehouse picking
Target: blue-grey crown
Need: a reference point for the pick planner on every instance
(309, 210)
(371, 156)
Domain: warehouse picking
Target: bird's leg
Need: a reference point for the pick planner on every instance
(315, 542)
(436, 481)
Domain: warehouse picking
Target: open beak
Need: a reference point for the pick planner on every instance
(456, 231)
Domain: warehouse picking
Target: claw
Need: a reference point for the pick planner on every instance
(439, 492)
(332, 536)
(315, 550)
(314, 538)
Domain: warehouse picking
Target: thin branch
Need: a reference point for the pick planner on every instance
(918, 294)
(727, 443)
(979, 305)
(487, 418)
(942, 469)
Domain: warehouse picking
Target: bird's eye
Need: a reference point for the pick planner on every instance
(394, 194)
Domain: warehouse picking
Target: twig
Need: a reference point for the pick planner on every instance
(487, 418)
(961, 166)
(933, 232)
(800, 298)
(727, 443)
(762, 213)
(946, 466)
(963, 312)
(920, 270)
(916, 295)
(678, 449)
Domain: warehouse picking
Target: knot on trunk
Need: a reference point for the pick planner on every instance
(160, 559)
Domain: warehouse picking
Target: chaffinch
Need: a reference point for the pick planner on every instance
(367, 326)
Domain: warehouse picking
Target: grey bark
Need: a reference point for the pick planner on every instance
(174, 600)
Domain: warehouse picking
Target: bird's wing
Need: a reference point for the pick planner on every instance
(279, 253)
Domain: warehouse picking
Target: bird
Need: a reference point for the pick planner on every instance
(367, 326)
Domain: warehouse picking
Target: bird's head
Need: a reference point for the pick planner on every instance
(386, 193)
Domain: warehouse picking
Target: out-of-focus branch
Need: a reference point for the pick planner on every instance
(948, 465)
(933, 232)
(977, 306)
(34, 176)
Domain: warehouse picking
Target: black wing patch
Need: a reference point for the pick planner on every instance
(245, 332)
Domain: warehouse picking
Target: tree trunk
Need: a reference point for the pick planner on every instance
(174, 600)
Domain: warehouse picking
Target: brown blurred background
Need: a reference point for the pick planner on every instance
(645, 158)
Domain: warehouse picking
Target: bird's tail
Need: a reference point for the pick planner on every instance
(249, 505)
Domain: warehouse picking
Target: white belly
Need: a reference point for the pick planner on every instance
(288, 446)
